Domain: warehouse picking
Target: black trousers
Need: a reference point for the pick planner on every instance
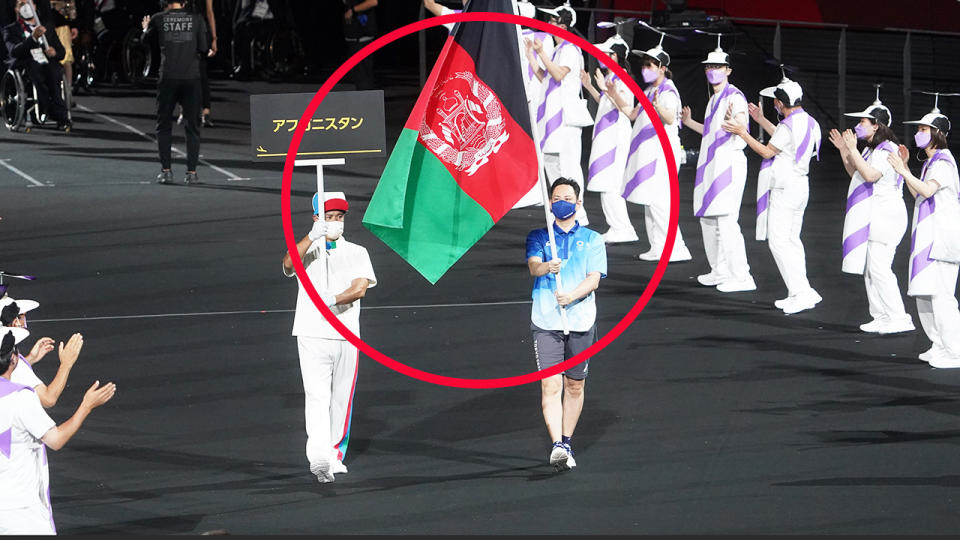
(186, 92)
(46, 78)
(362, 73)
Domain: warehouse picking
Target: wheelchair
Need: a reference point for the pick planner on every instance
(273, 52)
(19, 104)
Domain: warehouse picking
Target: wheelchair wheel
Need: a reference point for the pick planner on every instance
(33, 107)
(13, 97)
(137, 57)
(83, 68)
(286, 53)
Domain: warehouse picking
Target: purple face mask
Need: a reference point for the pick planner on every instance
(716, 76)
(650, 75)
(860, 131)
(922, 138)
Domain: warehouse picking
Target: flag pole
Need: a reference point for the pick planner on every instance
(542, 180)
(319, 163)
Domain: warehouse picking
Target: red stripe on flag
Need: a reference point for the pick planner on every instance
(416, 115)
(467, 127)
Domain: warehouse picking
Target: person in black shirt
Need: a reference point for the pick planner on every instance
(360, 28)
(31, 47)
(183, 40)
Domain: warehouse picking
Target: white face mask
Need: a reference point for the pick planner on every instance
(334, 230)
(26, 11)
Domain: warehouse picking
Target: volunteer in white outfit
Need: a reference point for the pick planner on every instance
(532, 84)
(793, 142)
(560, 108)
(13, 313)
(341, 272)
(646, 179)
(720, 180)
(611, 141)
(25, 433)
(935, 249)
(876, 216)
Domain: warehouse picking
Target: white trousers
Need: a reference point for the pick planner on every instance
(724, 246)
(329, 370)
(566, 164)
(35, 519)
(656, 219)
(938, 313)
(785, 220)
(615, 211)
(883, 292)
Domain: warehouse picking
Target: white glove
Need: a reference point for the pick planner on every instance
(329, 298)
(318, 231)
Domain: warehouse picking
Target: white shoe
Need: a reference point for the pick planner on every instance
(738, 285)
(323, 471)
(945, 362)
(802, 302)
(560, 458)
(896, 327)
(874, 326)
(680, 254)
(933, 352)
(618, 236)
(338, 467)
(650, 255)
(781, 302)
(712, 279)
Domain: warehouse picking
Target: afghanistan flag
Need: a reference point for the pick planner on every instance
(466, 153)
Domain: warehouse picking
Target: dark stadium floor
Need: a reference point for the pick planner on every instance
(712, 413)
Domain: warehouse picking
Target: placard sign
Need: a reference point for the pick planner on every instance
(347, 124)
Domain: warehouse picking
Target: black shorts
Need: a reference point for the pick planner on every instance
(552, 347)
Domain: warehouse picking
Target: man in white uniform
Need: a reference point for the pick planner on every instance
(341, 272)
(25, 432)
(792, 143)
(560, 139)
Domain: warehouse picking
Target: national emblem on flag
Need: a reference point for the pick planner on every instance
(465, 155)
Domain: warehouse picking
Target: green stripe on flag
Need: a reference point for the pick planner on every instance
(421, 213)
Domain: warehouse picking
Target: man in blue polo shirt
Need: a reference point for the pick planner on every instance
(581, 262)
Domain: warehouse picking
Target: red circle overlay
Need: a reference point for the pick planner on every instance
(425, 376)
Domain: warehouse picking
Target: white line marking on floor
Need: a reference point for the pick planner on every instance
(266, 311)
(179, 152)
(22, 174)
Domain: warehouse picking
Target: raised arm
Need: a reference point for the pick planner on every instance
(925, 189)
(687, 120)
(49, 394)
(837, 140)
(96, 396)
(867, 172)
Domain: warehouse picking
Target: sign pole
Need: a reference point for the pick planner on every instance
(319, 163)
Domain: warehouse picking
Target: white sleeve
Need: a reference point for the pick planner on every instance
(23, 374)
(571, 57)
(878, 160)
(364, 267)
(625, 92)
(739, 106)
(31, 416)
(781, 137)
(670, 101)
(945, 175)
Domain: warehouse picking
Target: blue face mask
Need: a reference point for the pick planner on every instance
(563, 209)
